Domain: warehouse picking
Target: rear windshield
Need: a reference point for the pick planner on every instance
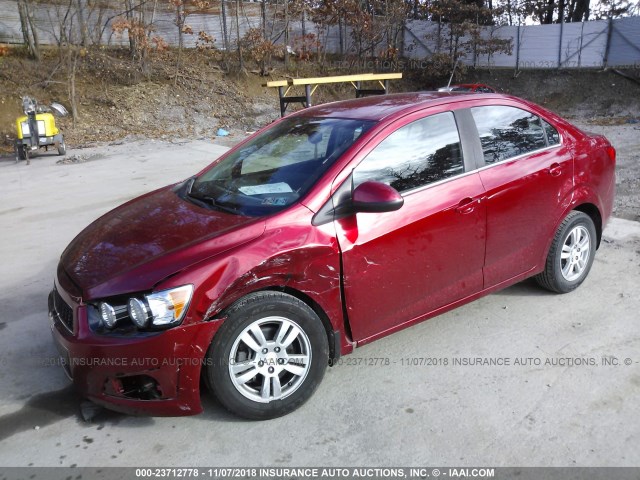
(277, 167)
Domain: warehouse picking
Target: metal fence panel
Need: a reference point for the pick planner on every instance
(570, 45)
(624, 50)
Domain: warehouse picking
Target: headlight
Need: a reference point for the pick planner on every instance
(138, 312)
(160, 309)
(169, 306)
(108, 314)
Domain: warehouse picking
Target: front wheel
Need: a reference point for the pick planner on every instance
(21, 152)
(571, 254)
(268, 357)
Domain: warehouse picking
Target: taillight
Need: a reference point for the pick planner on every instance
(612, 153)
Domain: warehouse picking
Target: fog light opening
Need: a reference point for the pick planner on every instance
(140, 387)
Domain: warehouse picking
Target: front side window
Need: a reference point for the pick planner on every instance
(507, 132)
(277, 167)
(417, 154)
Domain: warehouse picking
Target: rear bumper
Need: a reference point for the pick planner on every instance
(150, 374)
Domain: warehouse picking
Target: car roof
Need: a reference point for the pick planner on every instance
(377, 107)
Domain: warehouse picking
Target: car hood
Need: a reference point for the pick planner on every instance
(140, 243)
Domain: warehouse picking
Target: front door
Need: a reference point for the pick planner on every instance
(401, 265)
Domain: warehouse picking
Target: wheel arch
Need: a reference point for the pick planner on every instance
(595, 215)
(588, 208)
(334, 337)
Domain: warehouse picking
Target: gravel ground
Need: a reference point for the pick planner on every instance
(626, 140)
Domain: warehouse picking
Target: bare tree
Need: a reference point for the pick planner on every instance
(29, 31)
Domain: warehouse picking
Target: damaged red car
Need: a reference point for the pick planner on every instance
(328, 229)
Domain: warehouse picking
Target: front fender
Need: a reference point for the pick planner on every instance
(296, 257)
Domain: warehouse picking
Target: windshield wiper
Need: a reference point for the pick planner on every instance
(208, 201)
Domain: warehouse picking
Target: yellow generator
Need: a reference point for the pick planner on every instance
(37, 129)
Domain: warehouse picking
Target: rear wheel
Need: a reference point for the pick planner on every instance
(62, 147)
(268, 357)
(571, 254)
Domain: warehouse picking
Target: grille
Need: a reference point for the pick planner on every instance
(64, 311)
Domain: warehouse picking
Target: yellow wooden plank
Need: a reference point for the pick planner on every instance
(334, 79)
(386, 76)
(276, 83)
(361, 77)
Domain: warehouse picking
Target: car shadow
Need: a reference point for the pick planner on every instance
(214, 411)
(525, 288)
(48, 408)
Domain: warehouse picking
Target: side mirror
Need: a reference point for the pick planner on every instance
(376, 197)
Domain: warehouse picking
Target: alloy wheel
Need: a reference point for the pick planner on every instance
(574, 257)
(270, 359)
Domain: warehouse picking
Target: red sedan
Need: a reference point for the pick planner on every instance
(326, 230)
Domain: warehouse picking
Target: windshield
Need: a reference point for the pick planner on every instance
(277, 167)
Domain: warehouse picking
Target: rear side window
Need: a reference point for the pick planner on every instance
(420, 153)
(507, 132)
(553, 138)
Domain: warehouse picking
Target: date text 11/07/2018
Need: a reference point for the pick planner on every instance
(314, 472)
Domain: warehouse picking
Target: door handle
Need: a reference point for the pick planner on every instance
(467, 205)
(555, 170)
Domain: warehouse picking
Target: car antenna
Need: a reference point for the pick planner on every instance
(452, 72)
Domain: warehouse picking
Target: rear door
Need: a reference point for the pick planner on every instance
(401, 265)
(528, 175)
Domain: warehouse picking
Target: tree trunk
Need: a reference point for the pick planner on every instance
(340, 37)
(82, 24)
(24, 24)
(29, 32)
(263, 14)
(581, 11)
(286, 34)
(240, 59)
(549, 13)
(225, 34)
(132, 41)
(180, 23)
(72, 85)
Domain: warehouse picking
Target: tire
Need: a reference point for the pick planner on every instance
(571, 254)
(250, 366)
(21, 153)
(62, 147)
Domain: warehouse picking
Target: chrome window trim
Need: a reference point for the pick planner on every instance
(435, 184)
(522, 155)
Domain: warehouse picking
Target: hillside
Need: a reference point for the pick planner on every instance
(116, 103)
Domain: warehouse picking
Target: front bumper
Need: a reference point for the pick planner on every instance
(147, 374)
